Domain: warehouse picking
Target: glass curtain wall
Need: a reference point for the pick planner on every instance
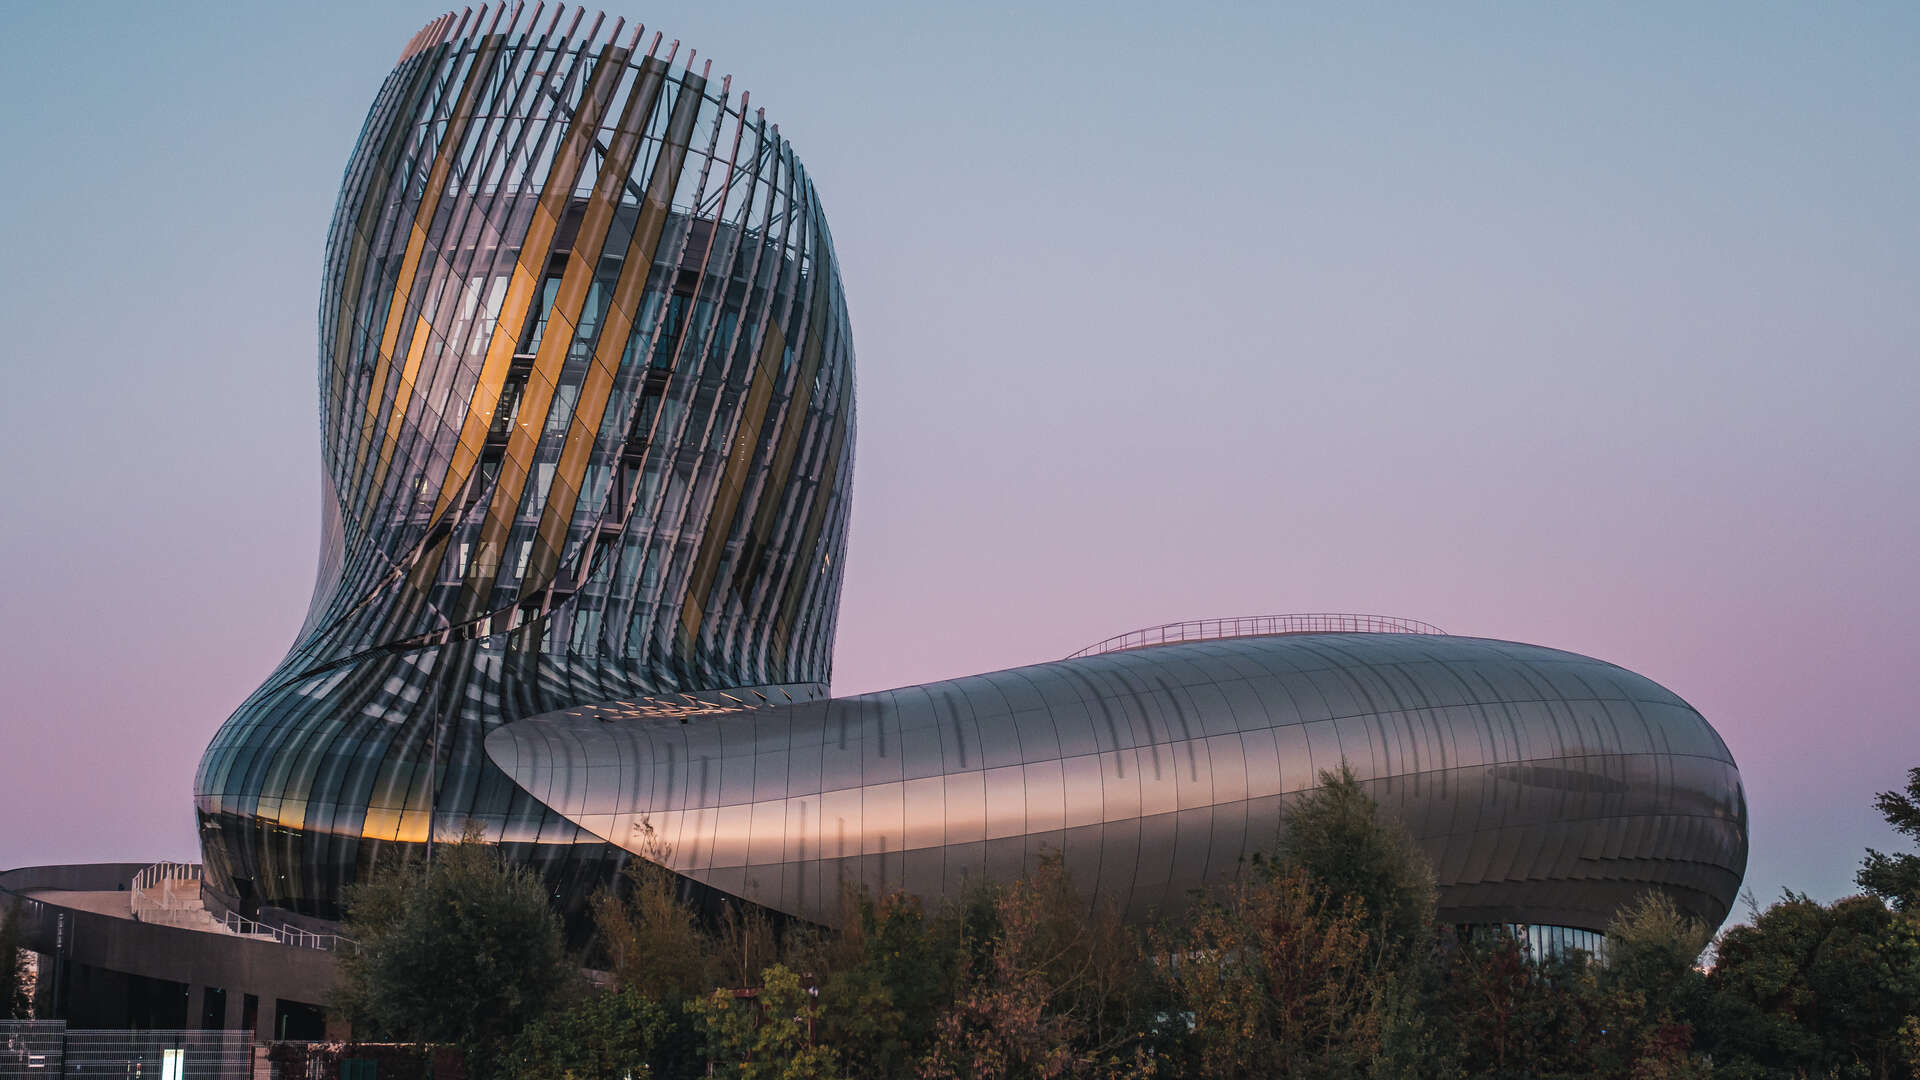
(586, 403)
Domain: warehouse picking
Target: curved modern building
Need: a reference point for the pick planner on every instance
(586, 383)
(586, 404)
(1547, 788)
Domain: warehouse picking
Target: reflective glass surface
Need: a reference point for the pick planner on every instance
(586, 403)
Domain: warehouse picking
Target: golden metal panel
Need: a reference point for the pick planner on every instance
(733, 481)
(644, 247)
(344, 320)
(528, 271)
(569, 300)
(370, 207)
(521, 289)
(794, 423)
(803, 573)
(444, 155)
(402, 396)
(571, 297)
(521, 443)
(575, 453)
(421, 575)
(616, 325)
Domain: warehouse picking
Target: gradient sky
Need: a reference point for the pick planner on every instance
(1598, 329)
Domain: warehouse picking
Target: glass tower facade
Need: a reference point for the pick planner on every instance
(586, 402)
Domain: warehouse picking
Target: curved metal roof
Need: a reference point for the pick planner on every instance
(1547, 787)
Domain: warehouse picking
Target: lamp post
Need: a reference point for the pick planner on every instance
(436, 693)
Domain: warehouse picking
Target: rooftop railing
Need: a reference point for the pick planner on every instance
(164, 888)
(169, 893)
(285, 935)
(1256, 626)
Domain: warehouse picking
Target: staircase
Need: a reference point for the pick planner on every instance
(168, 893)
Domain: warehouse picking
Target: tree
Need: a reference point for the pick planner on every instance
(1319, 961)
(1813, 989)
(1046, 985)
(1896, 878)
(1336, 836)
(1649, 989)
(613, 1036)
(888, 976)
(768, 1035)
(651, 936)
(1280, 978)
(14, 1001)
(1510, 1014)
(999, 1025)
(466, 951)
(1759, 1015)
(746, 943)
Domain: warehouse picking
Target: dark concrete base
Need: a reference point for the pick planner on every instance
(114, 971)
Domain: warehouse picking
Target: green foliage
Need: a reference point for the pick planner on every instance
(1044, 988)
(1336, 836)
(653, 939)
(1510, 1014)
(766, 1036)
(1649, 988)
(621, 1035)
(746, 943)
(467, 951)
(1896, 878)
(1279, 978)
(1318, 963)
(889, 974)
(14, 1002)
(1654, 938)
(388, 1061)
(1321, 961)
(1274, 976)
(1813, 989)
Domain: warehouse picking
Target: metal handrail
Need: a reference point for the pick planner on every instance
(1256, 626)
(170, 886)
(165, 886)
(285, 935)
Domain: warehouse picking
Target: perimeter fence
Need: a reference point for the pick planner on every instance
(48, 1049)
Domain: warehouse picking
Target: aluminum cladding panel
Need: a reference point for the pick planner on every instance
(1547, 788)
